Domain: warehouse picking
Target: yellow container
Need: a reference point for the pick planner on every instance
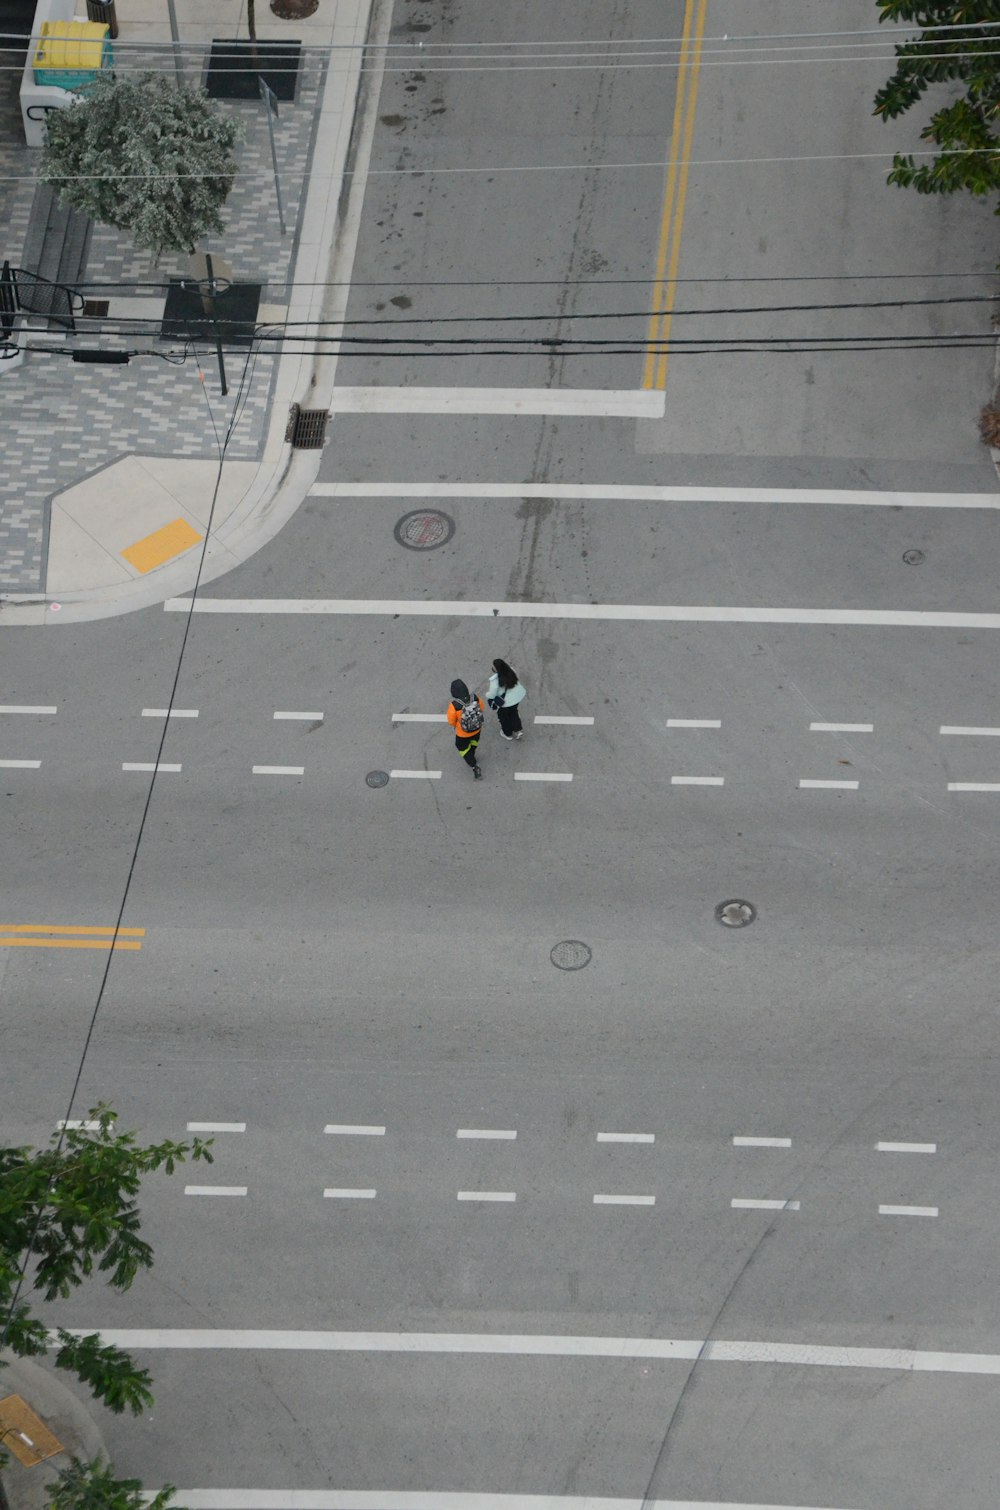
(69, 53)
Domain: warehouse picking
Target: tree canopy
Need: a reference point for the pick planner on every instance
(966, 128)
(141, 153)
(66, 1211)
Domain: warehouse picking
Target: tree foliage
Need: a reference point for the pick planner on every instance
(92, 1486)
(65, 1212)
(966, 129)
(140, 153)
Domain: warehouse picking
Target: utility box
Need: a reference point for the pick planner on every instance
(70, 54)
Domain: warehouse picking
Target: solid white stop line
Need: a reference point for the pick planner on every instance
(459, 608)
(509, 1345)
(389, 1499)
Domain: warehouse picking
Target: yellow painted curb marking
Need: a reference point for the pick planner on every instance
(672, 220)
(162, 545)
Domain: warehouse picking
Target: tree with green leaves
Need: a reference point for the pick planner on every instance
(965, 130)
(92, 1486)
(66, 1212)
(141, 153)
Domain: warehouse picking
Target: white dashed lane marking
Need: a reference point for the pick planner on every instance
(22, 765)
(486, 1195)
(349, 1195)
(694, 723)
(215, 1190)
(748, 1142)
(906, 1147)
(498, 1134)
(420, 718)
(26, 708)
(354, 1130)
(170, 712)
(416, 775)
(842, 728)
(626, 1137)
(962, 729)
(200, 1127)
(907, 1211)
(974, 786)
(148, 765)
(277, 770)
(543, 775)
(745, 1203)
(624, 1200)
(560, 718)
(840, 786)
(697, 781)
(312, 718)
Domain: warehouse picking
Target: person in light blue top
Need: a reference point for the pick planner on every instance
(505, 694)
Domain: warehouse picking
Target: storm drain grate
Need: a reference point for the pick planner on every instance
(307, 428)
(96, 309)
(377, 778)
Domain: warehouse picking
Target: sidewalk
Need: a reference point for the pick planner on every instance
(68, 1413)
(108, 472)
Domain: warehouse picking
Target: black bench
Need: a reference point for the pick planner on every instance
(54, 259)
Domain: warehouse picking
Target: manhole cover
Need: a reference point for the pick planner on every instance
(913, 558)
(424, 529)
(735, 914)
(571, 954)
(377, 778)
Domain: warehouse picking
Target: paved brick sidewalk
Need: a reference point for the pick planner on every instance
(64, 421)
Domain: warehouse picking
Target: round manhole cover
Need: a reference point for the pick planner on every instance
(913, 558)
(735, 914)
(377, 778)
(570, 954)
(424, 529)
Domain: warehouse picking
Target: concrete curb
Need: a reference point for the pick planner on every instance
(63, 1412)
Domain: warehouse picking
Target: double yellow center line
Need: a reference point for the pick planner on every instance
(672, 220)
(67, 936)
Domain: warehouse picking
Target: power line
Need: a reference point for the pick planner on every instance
(494, 168)
(300, 283)
(429, 64)
(540, 45)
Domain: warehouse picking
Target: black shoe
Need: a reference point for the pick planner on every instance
(477, 771)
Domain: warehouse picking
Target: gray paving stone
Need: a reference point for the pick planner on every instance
(94, 414)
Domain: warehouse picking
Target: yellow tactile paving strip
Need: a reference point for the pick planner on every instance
(162, 545)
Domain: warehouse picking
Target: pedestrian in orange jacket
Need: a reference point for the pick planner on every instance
(466, 714)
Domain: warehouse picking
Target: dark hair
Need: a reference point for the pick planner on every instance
(506, 674)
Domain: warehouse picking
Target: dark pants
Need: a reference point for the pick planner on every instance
(466, 745)
(510, 719)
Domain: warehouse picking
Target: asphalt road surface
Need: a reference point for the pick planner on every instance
(710, 1219)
